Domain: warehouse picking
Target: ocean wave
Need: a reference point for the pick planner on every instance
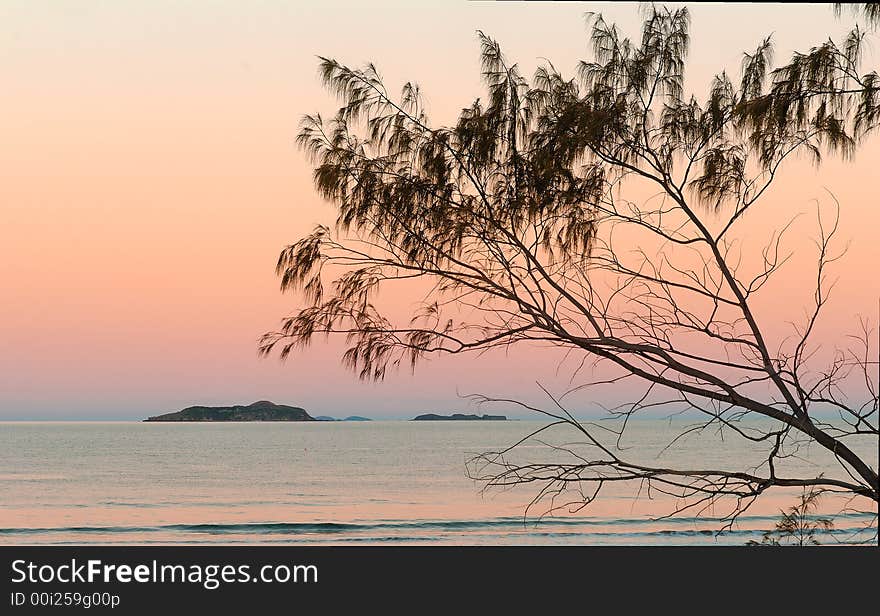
(626, 527)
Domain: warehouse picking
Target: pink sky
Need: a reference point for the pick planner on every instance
(148, 180)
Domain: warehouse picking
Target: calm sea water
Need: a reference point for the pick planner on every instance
(376, 482)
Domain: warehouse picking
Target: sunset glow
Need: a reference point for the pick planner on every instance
(149, 179)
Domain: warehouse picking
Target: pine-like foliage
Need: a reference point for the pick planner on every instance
(509, 218)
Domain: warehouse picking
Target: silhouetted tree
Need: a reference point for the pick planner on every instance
(869, 10)
(823, 89)
(525, 221)
(799, 523)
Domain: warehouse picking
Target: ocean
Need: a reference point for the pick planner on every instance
(386, 482)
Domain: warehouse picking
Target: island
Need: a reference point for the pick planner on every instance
(349, 418)
(459, 417)
(258, 411)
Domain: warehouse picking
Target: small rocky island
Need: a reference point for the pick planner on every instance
(349, 418)
(459, 417)
(258, 411)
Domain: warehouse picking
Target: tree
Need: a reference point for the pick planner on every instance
(529, 222)
(869, 10)
(798, 524)
(822, 88)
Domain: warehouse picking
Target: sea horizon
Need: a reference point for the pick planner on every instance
(382, 482)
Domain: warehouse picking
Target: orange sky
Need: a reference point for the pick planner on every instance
(148, 180)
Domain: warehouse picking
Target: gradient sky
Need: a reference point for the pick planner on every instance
(149, 179)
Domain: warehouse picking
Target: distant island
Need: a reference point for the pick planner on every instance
(349, 418)
(459, 417)
(258, 411)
